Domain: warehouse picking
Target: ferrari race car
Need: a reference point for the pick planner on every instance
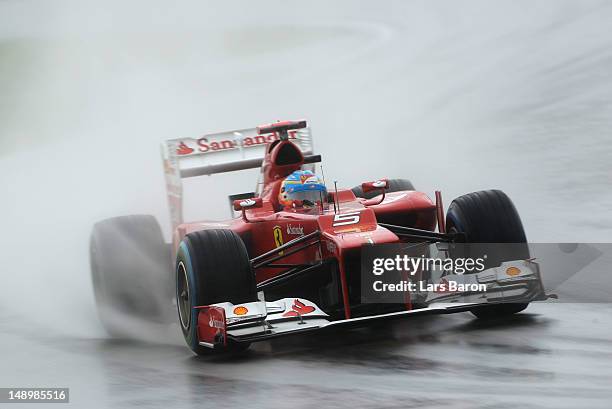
(271, 271)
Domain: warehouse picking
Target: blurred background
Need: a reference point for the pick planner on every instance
(456, 96)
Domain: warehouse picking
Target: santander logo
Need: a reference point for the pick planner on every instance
(183, 149)
(215, 143)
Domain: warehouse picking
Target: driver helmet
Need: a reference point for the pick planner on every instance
(302, 189)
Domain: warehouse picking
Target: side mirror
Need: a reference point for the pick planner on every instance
(381, 184)
(250, 203)
(244, 204)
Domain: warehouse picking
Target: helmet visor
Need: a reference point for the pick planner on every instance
(309, 196)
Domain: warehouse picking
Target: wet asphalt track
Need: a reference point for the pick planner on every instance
(459, 96)
(551, 356)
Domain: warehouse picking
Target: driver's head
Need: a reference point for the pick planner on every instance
(302, 190)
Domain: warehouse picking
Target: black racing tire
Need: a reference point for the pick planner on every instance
(395, 185)
(216, 267)
(130, 271)
(490, 217)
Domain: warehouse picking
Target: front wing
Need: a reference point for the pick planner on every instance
(261, 320)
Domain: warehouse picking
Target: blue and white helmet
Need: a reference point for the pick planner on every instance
(302, 188)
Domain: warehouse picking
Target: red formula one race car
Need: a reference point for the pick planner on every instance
(289, 260)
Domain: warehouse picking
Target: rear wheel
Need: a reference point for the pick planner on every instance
(130, 271)
(212, 266)
(395, 185)
(490, 217)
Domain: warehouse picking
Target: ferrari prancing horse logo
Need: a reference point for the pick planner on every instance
(278, 237)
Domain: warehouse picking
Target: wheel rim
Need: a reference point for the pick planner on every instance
(183, 299)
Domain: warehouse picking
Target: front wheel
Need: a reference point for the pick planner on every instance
(212, 266)
(490, 217)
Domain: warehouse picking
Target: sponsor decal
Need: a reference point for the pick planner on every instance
(304, 178)
(241, 310)
(298, 309)
(213, 323)
(295, 230)
(183, 149)
(331, 246)
(513, 271)
(209, 144)
(278, 237)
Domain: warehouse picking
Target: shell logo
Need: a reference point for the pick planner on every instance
(513, 271)
(241, 310)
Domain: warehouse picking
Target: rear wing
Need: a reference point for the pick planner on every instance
(217, 153)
